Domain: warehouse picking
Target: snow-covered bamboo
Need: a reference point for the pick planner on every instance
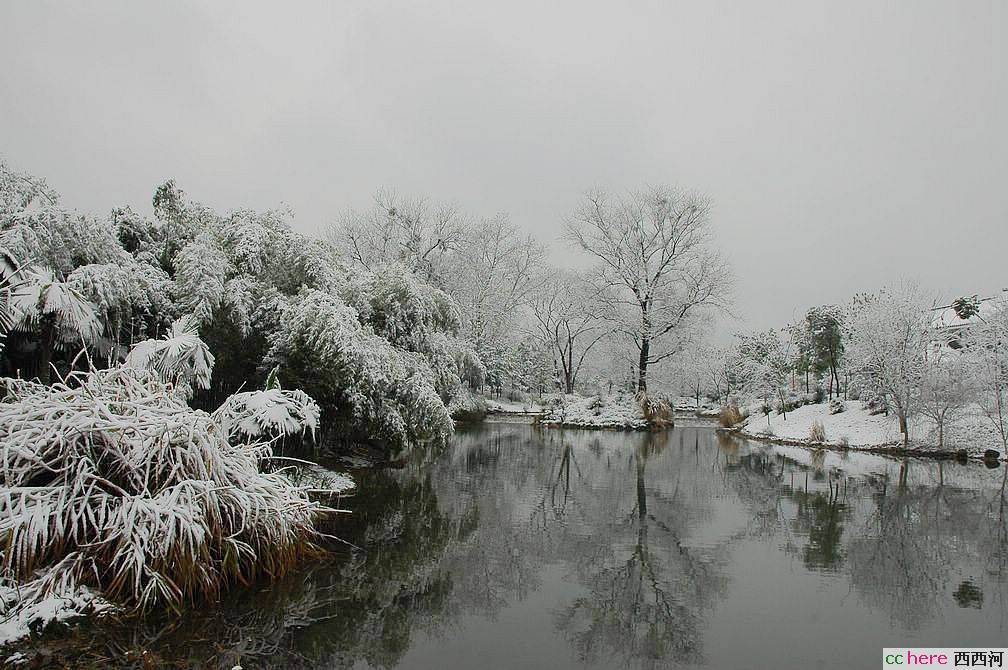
(109, 480)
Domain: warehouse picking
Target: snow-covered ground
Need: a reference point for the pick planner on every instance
(857, 428)
(620, 411)
(20, 619)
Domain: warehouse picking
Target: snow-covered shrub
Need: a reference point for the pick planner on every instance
(817, 432)
(874, 402)
(791, 402)
(836, 406)
(400, 307)
(110, 481)
(376, 391)
(181, 358)
(415, 316)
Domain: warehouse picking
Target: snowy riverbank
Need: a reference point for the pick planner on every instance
(856, 428)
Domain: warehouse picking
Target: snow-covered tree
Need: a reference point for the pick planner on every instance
(377, 392)
(571, 320)
(131, 300)
(723, 366)
(55, 312)
(413, 231)
(947, 387)
(494, 271)
(654, 248)
(824, 338)
(765, 365)
(986, 352)
(891, 334)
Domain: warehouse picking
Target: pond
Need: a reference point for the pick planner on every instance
(522, 547)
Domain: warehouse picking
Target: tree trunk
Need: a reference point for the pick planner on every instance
(645, 351)
(47, 345)
(903, 428)
(641, 491)
(570, 366)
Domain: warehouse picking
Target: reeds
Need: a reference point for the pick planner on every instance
(109, 480)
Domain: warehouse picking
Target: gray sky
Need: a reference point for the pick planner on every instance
(844, 144)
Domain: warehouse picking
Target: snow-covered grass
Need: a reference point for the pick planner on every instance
(109, 481)
(620, 411)
(856, 427)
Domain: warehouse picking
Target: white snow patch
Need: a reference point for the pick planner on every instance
(854, 424)
(20, 618)
(855, 427)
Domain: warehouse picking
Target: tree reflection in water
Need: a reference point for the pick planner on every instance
(648, 530)
(646, 591)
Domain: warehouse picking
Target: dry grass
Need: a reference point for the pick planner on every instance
(729, 416)
(109, 480)
(658, 409)
(817, 432)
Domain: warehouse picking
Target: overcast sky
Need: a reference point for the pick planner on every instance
(844, 144)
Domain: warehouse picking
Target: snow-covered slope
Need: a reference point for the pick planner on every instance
(854, 426)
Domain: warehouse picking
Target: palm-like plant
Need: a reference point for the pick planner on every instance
(271, 413)
(54, 310)
(8, 270)
(181, 359)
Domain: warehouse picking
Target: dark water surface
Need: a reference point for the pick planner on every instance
(521, 548)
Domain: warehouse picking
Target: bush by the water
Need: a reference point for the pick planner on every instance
(658, 408)
(817, 432)
(110, 481)
(730, 416)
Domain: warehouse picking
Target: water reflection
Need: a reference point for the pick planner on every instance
(612, 549)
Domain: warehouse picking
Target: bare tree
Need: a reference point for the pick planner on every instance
(654, 247)
(571, 319)
(409, 230)
(491, 274)
(946, 387)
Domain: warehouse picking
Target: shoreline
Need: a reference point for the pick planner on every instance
(885, 449)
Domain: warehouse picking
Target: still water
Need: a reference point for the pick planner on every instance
(522, 548)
